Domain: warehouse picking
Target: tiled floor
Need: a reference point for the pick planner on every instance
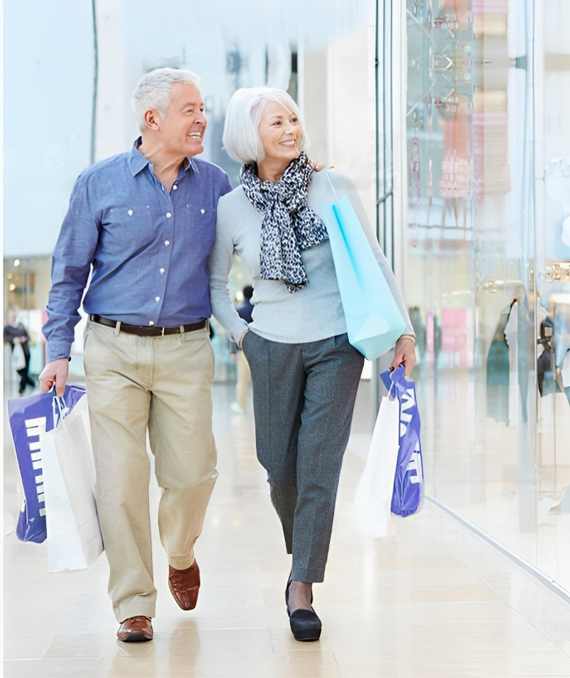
(432, 601)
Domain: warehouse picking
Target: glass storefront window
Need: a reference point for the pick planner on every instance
(486, 251)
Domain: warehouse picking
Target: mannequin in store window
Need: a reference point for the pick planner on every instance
(521, 339)
(455, 175)
(498, 370)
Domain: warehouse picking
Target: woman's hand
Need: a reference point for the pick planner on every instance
(240, 342)
(319, 166)
(404, 354)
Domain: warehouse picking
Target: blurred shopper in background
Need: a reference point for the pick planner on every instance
(144, 221)
(305, 373)
(16, 334)
(244, 310)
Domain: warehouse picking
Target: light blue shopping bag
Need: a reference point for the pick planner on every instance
(374, 320)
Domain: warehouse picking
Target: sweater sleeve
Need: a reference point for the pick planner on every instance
(344, 186)
(220, 262)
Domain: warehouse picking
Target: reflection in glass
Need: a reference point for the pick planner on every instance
(486, 275)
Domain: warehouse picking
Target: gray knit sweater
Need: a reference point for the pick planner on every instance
(315, 311)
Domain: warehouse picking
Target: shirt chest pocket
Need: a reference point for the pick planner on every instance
(201, 221)
(200, 213)
(125, 223)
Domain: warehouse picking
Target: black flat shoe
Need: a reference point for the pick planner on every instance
(305, 624)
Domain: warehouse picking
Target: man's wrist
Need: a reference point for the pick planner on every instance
(58, 350)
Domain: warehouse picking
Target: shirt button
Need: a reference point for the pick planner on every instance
(175, 187)
(168, 215)
(166, 243)
(151, 322)
(161, 271)
(130, 213)
(157, 298)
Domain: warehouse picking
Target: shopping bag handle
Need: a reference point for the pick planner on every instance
(59, 409)
(331, 185)
(392, 378)
(339, 221)
(392, 391)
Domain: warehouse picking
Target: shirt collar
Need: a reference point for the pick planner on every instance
(137, 161)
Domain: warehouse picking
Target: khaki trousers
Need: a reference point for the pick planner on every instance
(161, 386)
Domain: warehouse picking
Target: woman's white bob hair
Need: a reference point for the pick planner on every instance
(241, 130)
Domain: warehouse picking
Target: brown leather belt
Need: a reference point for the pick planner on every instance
(147, 331)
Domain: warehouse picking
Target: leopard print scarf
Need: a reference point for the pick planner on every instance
(289, 224)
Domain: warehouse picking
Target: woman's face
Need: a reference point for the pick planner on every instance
(280, 134)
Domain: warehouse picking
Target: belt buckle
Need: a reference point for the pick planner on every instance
(163, 329)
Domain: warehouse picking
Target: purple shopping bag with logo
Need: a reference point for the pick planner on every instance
(409, 486)
(29, 417)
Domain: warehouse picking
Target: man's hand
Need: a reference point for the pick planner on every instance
(55, 373)
(404, 354)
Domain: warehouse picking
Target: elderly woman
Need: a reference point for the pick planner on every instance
(305, 373)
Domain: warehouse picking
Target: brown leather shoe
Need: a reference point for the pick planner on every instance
(184, 585)
(135, 629)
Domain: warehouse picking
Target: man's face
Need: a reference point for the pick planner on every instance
(182, 128)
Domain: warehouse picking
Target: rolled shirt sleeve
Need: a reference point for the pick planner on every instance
(70, 269)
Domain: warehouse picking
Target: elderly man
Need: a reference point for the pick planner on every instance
(142, 223)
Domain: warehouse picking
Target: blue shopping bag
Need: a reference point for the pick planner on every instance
(409, 485)
(373, 318)
(30, 417)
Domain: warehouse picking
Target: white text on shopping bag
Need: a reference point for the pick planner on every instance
(408, 401)
(35, 428)
(415, 467)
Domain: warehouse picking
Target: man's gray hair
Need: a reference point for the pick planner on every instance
(154, 91)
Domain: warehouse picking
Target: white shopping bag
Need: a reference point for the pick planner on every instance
(73, 532)
(373, 498)
(18, 357)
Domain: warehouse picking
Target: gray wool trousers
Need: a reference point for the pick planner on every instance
(303, 397)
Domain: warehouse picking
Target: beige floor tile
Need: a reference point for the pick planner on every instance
(441, 664)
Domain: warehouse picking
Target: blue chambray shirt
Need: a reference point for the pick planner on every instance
(146, 249)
